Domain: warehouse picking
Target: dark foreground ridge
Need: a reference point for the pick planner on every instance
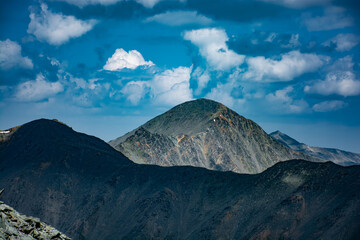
(86, 189)
(204, 133)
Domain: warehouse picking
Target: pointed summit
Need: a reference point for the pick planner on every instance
(190, 118)
(204, 133)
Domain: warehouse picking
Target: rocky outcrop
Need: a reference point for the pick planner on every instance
(337, 156)
(204, 133)
(14, 226)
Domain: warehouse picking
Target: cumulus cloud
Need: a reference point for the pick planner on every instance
(122, 59)
(333, 18)
(178, 18)
(167, 88)
(343, 42)
(135, 91)
(340, 83)
(328, 106)
(37, 90)
(10, 56)
(83, 3)
(212, 45)
(298, 4)
(55, 28)
(282, 100)
(172, 87)
(291, 65)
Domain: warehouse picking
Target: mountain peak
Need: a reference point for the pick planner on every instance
(203, 133)
(188, 118)
(284, 139)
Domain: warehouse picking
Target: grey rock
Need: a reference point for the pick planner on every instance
(16, 226)
(204, 133)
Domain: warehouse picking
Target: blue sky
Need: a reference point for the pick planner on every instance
(105, 67)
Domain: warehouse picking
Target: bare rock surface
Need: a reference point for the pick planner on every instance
(205, 133)
(15, 226)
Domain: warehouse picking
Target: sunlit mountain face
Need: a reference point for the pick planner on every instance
(107, 67)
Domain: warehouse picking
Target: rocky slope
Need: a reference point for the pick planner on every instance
(14, 226)
(86, 189)
(337, 156)
(204, 133)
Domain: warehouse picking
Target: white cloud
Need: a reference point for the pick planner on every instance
(135, 91)
(333, 18)
(212, 46)
(178, 18)
(121, 59)
(56, 28)
(202, 77)
(293, 42)
(83, 3)
(172, 87)
(271, 37)
(291, 65)
(342, 64)
(10, 56)
(298, 4)
(328, 106)
(168, 88)
(281, 100)
(37, 90)
(340, 83)
(343, 42)
(222, 94)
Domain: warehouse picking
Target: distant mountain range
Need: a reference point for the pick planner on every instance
(205, 133)
(86, 189)
(337, 156)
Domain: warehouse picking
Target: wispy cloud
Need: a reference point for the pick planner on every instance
(343, 42)
(340, 83)
(281, 100)
(38, 89)
(10, 56)
(83, 3)
(178, 18)
(135, 91)
(56, 28)
(291, 65)
(328, 106)
(333, 18)
(298, 4)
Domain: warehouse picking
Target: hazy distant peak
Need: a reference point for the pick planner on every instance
(329, 154)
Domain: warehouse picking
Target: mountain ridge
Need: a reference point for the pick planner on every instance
(335, 155)
(88, 195)
(204, 133)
